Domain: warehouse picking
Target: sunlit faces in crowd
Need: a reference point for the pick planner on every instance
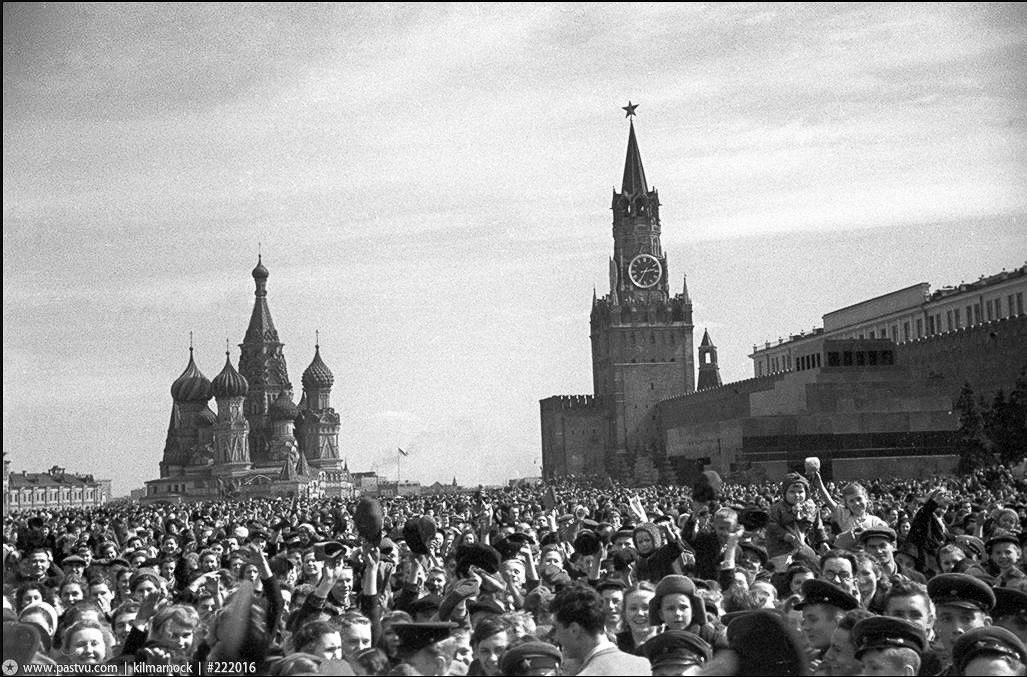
(797, 576)
(100, 591)
(435, 581)
(249, 572)
(613, 602)
(167, 569)
(952, 621)
(636, 607)
(175, 626)
(122, 619)
(29, 594)
(514, 572)
(354, 634)
(892, 661)
(676, 611)
(87, 642)
(840, 658)
(839, 569)
(208, 561)
(909, 601)
(868, 575)
(312, 567)
(949, 556)
(552, 555)
(819, 622)
(1005, 555)
(764, 594)
(490, 640)
(72, 590)
(37, 563)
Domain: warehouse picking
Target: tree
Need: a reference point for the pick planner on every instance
(974, 445)
(1006, 423)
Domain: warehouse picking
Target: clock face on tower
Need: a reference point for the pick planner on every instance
(645, 270)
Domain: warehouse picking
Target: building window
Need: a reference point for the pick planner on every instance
(948, 320)
(847, 358)
(987, 310)
(1019, 303)
(919, 327)
(872, 334)
(977, 313)
(969, 315)
(905, 331)
(955, 314)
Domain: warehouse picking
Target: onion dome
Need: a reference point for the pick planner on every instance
(192, 385)
(283, 409)
(318, 376)
(260, 272)
(207, 417)
(229, 383)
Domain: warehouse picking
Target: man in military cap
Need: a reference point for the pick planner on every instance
(889, 646)
(962, 603)
(531, 658)
(823, 605)
(1010, 611)
(424, 648)
(989, 651)
(676, 652)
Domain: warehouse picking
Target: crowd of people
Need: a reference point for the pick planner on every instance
(579, 576)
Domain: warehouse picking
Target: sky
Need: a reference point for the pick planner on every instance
(430, 188)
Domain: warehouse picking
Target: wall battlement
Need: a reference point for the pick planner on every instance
(563, 402)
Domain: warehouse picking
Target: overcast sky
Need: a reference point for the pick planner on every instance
(431, 187)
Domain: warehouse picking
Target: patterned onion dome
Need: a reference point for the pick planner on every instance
(207, 417)
(260, 272)
(283, 409)
(192, 385)
(229, 383)
(318, 375)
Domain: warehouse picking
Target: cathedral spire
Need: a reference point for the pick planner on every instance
(634, 175)
(262, 327)
(684, 289)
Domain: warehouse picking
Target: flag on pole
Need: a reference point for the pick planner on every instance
(403, 452)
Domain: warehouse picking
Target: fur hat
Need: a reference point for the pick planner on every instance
(652, 530)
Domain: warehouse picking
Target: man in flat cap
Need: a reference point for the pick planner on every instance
(879, 543)
(962, 603)
(889, 646)
(989, 651)
(531, 658)
(676, 652)
(823, 605)
(1003, 556)
(424, 648)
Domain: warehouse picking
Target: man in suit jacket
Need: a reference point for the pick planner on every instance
(579, 625)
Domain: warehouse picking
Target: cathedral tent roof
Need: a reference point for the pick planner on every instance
(634, 175)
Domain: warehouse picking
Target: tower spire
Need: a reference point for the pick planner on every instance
(634, 175)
